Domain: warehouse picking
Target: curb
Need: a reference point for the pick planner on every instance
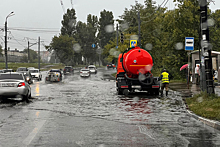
(208, 122)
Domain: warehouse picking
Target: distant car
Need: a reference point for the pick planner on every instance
(54, 75)
(36, 74)
(92, 68)
(84, 72)
(68, 70)
(1, 71)
(30, 68)
(22, 69)
(14, 85)
(28, 76)
(110, 65)
(7, 70)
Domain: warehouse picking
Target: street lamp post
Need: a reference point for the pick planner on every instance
(6, 40)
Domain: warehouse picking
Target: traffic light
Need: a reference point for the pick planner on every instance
(122, 38)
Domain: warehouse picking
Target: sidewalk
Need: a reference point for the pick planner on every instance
(189, 92)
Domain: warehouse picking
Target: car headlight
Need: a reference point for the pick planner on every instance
(28, 78)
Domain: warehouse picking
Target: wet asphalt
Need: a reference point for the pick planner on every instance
(80, 112)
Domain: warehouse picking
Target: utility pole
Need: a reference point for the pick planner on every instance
(206, 58)
(139, 29)
(117, 34)
(6, 50)
(39, 53)
(6, 40)
(28, 53)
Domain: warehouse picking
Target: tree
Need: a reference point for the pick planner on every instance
(33, 55)
(215, 30)
(69, 23)
(63, 48)
(1, 50)
(106, 19)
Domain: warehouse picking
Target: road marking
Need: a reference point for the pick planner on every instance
(143, 130)
(31, 136)
(37, 113)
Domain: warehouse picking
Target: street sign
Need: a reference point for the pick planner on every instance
(189, 43)
(133, 43)
(116, 47)
(93, 45)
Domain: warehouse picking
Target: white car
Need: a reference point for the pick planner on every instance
(36, 74)
(84, 72)
(92, 69)
(14, 85)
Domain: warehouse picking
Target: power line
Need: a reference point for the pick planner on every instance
(71, 3)
(16, 40)
(62, 6)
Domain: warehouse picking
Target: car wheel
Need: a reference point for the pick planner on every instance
(25, 98)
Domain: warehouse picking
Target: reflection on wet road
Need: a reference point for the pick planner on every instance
(88, 112)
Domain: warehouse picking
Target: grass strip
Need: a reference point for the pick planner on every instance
(205, 105)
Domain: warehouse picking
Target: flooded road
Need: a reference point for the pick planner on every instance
(87, 112)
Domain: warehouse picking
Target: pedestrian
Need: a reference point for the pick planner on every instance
(197, 74)
(165, 77)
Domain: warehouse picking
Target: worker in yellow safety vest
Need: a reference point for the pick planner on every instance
(165, 80)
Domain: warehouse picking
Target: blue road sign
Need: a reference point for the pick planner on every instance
(93, 45)
(116, 46)
(189, 43)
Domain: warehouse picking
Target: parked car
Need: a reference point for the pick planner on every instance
(110, 65)
(22, 69)
(92, 69)
(1, 71)
(36, 74)
(14, 85)
(84, 72)
(68, 70)
(54, 75)
(28, 76)
(7, 70)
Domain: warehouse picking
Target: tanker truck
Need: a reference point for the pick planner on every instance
(134, 72)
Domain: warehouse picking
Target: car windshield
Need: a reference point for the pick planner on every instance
(11, 76)
(34, 71)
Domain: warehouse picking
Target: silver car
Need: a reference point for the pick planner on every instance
(84, 72)
(92, 69)
(14, 85)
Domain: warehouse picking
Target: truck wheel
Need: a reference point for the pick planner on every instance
(119, 91)
(157, 92)
(125, 92)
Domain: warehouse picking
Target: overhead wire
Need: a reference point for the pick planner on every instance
(62, 6)
(71, 3)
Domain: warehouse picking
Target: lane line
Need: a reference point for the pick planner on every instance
(32, 135)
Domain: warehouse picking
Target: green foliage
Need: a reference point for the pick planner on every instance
(106, 18)
(0, 50)
(33, 56)
(63, 47)
(69, 23)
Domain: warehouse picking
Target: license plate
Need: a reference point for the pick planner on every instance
(8, 85)
(136, 86)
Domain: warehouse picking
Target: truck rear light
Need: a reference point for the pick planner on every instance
(21, 84)
(124, 86)
(155, 86)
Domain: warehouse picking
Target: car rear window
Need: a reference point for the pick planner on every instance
(34, 71)
(84, 70)
(91, 68)
(22, 69)
(11, 76)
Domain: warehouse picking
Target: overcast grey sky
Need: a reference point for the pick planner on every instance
(48, 14)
